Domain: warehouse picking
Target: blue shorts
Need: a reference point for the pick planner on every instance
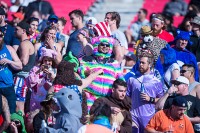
(20, 88)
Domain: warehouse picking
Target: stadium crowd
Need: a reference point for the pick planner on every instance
(99, 79)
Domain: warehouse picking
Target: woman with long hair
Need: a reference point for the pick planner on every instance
(47, 40)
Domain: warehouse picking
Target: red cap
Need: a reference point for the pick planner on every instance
(18, 15)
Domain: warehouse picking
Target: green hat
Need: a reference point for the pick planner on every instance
(19, 116)
(72, 59)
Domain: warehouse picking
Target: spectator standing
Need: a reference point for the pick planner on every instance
(136, 26)
(8, 61)
(114, 19)
(47, 40)
(194, 86)
(43, 7)
(143, 94)
(76, 17)
(100, 59)
(180, 87)
(41, 77)
(120, 105)
(27, 57)
(170, 65)
(8, 30)
(158, 27)
(172, 119)
(53, 22)
(182, 54)
(194, 48)
(176, 8)
(34, 34)
(17, 17)
(61, 25)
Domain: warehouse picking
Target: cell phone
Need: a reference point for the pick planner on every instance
(46, 67)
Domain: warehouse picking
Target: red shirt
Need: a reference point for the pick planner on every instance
(165, 36)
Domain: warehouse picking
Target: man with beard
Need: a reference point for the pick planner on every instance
(158, 27)
(180, 88)
(27, 57)
(172, 119)
(8, 31)
(120, 105)
(144, 89)
(8, 61)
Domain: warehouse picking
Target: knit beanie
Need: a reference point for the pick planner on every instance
(47, 53)
(72, 59)
(102, 39)
(183, 35)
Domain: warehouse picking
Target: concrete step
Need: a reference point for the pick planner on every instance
(126, 8)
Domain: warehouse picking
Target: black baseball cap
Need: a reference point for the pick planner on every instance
(24, 25)
(179, 101)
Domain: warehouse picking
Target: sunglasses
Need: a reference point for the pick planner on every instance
(53, 21)
(104, 44)
(183, 71)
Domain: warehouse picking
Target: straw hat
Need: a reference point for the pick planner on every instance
(146, 30)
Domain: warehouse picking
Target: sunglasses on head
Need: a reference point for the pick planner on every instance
(104, 44)
(53, 20)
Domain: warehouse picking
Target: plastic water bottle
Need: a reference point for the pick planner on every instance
(142, 89)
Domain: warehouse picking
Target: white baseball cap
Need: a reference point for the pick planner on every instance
(179, 80)
(91, 20)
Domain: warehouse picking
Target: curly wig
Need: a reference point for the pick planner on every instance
(65, 74)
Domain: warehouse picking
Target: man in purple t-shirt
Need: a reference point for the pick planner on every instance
(144, 89)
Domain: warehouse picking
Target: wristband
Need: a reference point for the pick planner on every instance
(152, 100)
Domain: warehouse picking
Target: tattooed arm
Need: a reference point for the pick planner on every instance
(5, 114)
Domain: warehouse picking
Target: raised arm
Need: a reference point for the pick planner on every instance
(87, 81)
(161, 102)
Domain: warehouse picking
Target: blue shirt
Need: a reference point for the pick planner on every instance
(6, 77)
(73, 45)
(9, 37)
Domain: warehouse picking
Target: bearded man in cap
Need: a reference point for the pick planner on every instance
(172, 119)
(180, 88)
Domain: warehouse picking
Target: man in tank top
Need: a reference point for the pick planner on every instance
(26, 54)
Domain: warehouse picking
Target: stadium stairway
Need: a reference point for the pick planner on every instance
(126, 8)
